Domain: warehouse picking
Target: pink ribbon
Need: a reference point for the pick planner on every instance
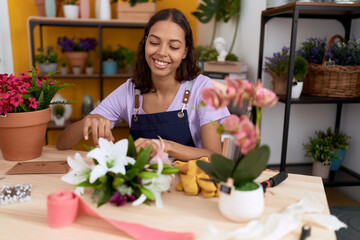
(64, 206)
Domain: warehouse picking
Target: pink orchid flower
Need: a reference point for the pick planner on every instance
(232, 124)
(264, 97)
(214, 98)
(247, 137)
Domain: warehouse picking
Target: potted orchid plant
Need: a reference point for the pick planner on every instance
(119, 174)
(25, 112)
(244, 199)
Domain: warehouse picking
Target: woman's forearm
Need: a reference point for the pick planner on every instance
(182, 152)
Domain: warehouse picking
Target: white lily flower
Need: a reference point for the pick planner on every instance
(80, 170)
(156, 186)
(111, 158)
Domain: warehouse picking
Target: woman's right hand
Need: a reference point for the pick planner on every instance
(98, 126)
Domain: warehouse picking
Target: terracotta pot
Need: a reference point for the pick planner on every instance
(77, 59)
(139, 12)
(22, 135)
(40, 5)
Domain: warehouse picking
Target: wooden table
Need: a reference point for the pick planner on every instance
(181, 213)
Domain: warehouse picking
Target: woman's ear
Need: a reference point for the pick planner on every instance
(185, 53)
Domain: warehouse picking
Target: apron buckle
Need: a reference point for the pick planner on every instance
(181, 113)
(136, 112)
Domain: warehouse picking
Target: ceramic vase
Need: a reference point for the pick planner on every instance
(104, 11)
(71, 11)
(77, 59)
(109, 67)
(50, 8)
(242, 206)
(296, 90)
(76, 70)
(321, 169)
(40, 5)
(22, 135)
(84, 9)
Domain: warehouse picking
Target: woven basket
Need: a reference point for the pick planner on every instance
(332, 81)
(278, 83)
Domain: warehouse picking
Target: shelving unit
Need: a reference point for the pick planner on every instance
(92, 23)
(344, 13)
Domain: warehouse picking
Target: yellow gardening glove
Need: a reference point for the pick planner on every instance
(191, 179)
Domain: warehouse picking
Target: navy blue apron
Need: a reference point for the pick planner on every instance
(173, 126)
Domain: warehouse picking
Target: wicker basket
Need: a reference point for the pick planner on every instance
(278, 83)
(332, 81)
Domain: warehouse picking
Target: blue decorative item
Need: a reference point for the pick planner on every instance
(109, 67)
(50, 8)
(337, 161)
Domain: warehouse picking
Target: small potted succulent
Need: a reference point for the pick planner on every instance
(126, 59)
(63, 68)
(205, 53)
(110, 59)
(76, 70)
(71, 10)
(89, 67)
(47, 61)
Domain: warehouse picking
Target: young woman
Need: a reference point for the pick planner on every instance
(161, 100)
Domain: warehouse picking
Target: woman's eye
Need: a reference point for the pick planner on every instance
(174, 48)
(154, 43)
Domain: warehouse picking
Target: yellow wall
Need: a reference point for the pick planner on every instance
(21, 10)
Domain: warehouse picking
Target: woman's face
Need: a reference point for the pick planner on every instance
(165, 48)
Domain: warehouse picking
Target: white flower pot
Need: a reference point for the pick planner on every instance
(296, 90)
(321, 169)
(89, 70)
(76, 70)
(45, 68)
(59, 121)
(242, 205)
(71, 11)
(63, 70)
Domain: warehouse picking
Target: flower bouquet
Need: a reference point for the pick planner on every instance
(25, 113)
(120, 174)
(239, 175)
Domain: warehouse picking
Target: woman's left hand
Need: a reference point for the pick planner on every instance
(145, 143)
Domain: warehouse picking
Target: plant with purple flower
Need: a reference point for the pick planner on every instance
(76, 44)
(313, 50)
(346, 53)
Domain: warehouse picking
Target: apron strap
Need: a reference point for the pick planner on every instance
(136, 104)
(185, 98)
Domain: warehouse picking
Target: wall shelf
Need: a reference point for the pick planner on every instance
(344, 13)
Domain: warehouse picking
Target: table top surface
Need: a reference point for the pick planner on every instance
(181, 213)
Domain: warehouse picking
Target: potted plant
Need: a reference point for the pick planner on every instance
(321, 150)
(340, 142)
(205, 53)
(25, 113)
(135, 9)
(47, 61)
(76, 70)
(126, 59)
(243, 199)
(110, 59)
(63, 68)
(59, 111)
(278, 67)
(71, 10)
(89, 67)
(76, 50)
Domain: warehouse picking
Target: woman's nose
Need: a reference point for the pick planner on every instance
(162, 50)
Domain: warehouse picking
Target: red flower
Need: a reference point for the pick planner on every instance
(33, 103)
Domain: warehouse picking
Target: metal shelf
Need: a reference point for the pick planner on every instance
(342, 177)
(344, 13)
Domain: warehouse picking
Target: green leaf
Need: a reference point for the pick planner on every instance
(206, 10)
(89, 148)
(251, 165)
(249, 186)
(147, 193)
(170, 171)
(208, 169)
(143, 158)
(147, 175)
(86, 183)
(222, 166)
(118, 181)
(105, 192)
(131, 173)
(131, 148)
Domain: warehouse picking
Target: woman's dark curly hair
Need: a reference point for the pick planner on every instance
(188, 68)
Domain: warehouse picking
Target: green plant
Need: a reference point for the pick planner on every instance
(70, 2)
(127, 56)
(59, 110)
(323, 147)
(109, 54)
(49, 57)
(222, 10)
(206, 53)
(231, 57)
(63, 64)
(89, 62)
(300, 68)
(133, 2)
